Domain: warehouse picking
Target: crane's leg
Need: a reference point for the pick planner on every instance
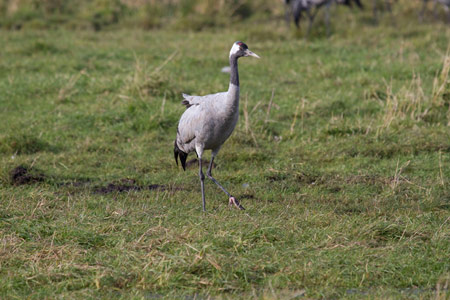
(297, 13)
(311, 17)
(202, 182)
(199, 150)
(209, 174)
(232, 200)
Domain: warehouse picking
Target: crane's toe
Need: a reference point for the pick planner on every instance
(233, 201)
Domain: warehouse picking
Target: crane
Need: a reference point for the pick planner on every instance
(297, 7)
(208, 122)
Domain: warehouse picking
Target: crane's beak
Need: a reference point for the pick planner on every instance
(250, 53)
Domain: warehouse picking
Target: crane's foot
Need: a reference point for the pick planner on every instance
(235, 202)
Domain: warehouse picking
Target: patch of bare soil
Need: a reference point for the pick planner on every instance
(22, 175)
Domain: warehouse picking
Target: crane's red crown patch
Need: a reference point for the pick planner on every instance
(241, 44)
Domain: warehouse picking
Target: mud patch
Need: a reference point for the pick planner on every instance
(23, 175)
(126, 185)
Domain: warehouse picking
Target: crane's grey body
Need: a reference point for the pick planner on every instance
(209, 121)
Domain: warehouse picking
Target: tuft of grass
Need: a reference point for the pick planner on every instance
(412, 103)
(148, 83)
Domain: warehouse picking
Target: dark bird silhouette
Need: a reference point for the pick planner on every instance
(296, 8)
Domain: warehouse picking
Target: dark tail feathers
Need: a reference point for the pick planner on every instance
(183, 155)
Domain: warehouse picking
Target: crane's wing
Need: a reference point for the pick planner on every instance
(190, 100)
(189, 124)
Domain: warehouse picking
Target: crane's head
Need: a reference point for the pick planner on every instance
(240, 49)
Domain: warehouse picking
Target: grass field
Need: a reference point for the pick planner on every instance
(341, 157)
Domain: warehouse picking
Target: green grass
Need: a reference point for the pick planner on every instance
(344, 175)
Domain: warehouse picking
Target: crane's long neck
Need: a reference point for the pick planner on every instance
(234, 74)
(233, 89)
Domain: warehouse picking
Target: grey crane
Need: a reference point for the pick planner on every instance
(209, 121)
(297, 7)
